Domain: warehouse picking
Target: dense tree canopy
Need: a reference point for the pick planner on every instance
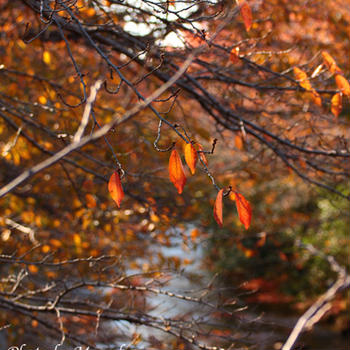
(125, 123)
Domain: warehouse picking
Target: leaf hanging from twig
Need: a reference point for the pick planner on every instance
(246, 13)
(176, 171)
(218, 208)
(115, 188)
(330, 62)
(244, 210)
(191, 157)
(234, 57)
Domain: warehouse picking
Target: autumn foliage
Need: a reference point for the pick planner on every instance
(191, 157)
(143, 139)
(218, 208)
(115, 188)
(244, 210)
(176, 171)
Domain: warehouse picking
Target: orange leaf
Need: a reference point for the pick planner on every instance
(176, 171)
(330, 62)
(218, 208)
(342, 84)
(246, 13)
(302, 78)
(234, 58)
(316, 98)
(191, 157)
(172, 3)
(90, 12)
(90, 200)
(115, 188)
(42, 100)
(201, 154)
(336, 104)
(239, 142)
(244, 210)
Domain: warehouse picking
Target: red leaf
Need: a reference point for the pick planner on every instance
(115, 188)
(218, 208)
(246, 13)
(234, 58)
(191, 157)
(244, 210)
(176, 171)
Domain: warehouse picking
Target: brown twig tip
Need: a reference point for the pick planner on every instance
(213, 146)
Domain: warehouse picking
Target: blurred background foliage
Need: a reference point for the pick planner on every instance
(68, 206)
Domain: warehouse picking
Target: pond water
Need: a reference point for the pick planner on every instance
(268, 325)
(263, 326)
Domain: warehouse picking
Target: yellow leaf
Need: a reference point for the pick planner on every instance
(77, 240)
(154, 218)
(47, 57)
(45, 248)
(336, 104)
(42, 100)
